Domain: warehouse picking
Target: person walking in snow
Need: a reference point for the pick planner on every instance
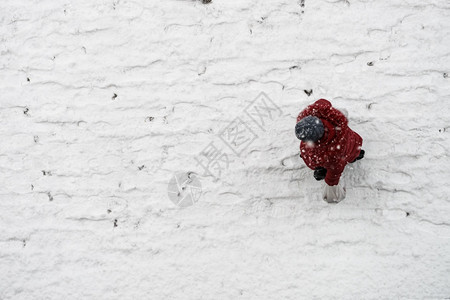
(327, 145)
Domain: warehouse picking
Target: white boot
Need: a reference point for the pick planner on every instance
(334, 194)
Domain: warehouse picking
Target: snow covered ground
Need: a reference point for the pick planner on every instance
(103, 102)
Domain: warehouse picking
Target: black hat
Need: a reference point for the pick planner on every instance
(309, 129)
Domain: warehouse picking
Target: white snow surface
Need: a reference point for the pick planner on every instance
(102, 102)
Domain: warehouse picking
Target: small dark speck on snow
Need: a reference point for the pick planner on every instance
(308, 92)
(370, 63)
(445, 75)
(115, 223)
(114, 96)
(28, 79)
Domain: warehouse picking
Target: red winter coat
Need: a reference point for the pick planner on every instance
(338, 146)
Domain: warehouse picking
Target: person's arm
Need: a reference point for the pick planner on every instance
(323, 109)
(317, 109)
(337, 118)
